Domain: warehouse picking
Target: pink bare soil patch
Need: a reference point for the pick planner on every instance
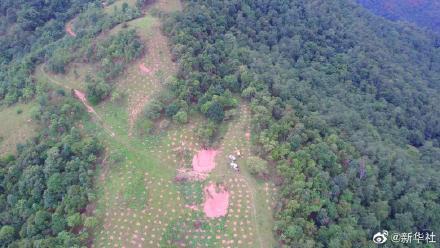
(204, 160)
(144, 69)
(192, 207)
(69, 30)
(216, 201)
(82, 97)
(248, 135)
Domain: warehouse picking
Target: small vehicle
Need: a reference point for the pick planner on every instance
(234, 166)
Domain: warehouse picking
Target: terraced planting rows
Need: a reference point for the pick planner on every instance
(140, 201)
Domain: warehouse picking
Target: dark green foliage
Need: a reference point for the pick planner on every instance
(344, 102)
(32, 32)
(181, 117)
(45, 188)
(425, 13)
(116, 51)
(97, 89)
(112, 55)
(206, 133)
(172, 109)
(214, 111)
(153, 110)
(59, 60)
(28, 29)
(7, 234)
(257, 166)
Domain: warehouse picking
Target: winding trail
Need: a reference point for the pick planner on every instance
(69, 29)
(80, 96)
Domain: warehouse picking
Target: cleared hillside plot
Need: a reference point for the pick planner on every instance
(151, 72)
(109, 8)
(150, 194)
(74, 78)
(252, 201)
(16, 126)
(142, 204)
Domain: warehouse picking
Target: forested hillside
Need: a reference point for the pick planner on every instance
(344, 103)
(45, 188)
(27, 29)
(32, 32)
(425, 13)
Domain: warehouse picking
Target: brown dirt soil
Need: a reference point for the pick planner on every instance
(69, 29)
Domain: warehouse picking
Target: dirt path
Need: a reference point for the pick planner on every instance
(69, 29)
(80, 96)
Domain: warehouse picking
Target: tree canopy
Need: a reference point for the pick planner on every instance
(46, 187)
(343, 101)
(425, 13)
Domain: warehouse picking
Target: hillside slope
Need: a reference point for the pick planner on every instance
(344, 102)
(140, 200)
(425, 13)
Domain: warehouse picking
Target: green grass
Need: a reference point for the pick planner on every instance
(192, 192)
(261, 200)
(118, 4)
(138, 198)
(16, 126)
(143, 23)
(73, 79)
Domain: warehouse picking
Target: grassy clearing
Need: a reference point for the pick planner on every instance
(252, 200)
(169, 5)
(140, 86)
(16, 126)
(138, 201)
(140, 185)
(142, 25)
(140, 197)
(109, 8)
(73, 79)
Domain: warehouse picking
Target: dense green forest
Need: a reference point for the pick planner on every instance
(32, 32)
(344, 103)
(344, 110)
(425, 13)
(27, 30)
(45, 188)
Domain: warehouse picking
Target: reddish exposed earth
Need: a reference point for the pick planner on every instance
(204, 160)
(69, 30)
(248, 135)
(192, 207)
(144, 69)
(82, 97)
(216, 201)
